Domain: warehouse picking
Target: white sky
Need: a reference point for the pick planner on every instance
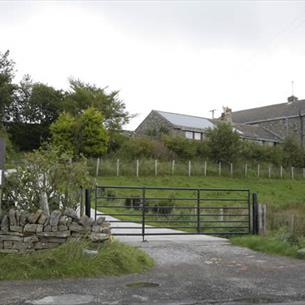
(179, 56)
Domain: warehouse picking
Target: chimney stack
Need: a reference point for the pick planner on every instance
(226, 115)
(291, 99)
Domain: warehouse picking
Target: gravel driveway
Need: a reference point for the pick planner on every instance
(189, 270)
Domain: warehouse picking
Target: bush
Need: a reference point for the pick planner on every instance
(144, 147)
(164, 207)
(47, 179)
(182, 148)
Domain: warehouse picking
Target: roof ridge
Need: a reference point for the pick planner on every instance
(267, 106)
(194, 116)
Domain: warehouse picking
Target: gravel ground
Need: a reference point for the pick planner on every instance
(189, 270)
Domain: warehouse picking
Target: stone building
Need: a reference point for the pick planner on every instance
(194, 127)
(285, 119)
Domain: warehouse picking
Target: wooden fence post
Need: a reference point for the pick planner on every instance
(281, 171)
(221, 217)
(137, 168)
(258, 170)
(269, 171)
(246, 170)
(292, 223)
(190, 167)
(262, 218)
(173, 167)
(118, 167)
(292, 172)
(205, 168)
(219, 169)
(231, 169)
(156, 167)
(98, 161)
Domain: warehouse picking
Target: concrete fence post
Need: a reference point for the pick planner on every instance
(246, 170)
(292, 172)
(219, 169)
(258, 170)
(281, 171)
(231, 169)
(269, 171)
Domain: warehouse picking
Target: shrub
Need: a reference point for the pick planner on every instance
(224, 143)
(47, 179)
(164, 207)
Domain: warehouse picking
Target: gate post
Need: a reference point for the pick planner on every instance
(198, 211)
(87, 203)
(255, 224)
(143, 213)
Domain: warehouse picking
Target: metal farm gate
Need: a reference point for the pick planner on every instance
(135, 210)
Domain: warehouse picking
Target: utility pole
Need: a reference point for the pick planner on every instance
(213, 111)
(2, 161)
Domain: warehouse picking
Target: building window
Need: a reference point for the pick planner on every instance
(197, 135)
(189, 135)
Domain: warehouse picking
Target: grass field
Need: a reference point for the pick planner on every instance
(274, 192)
(284, 198)
(285, 201)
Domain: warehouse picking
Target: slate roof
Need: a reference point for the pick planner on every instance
(255, 132)
(187, 121)
(269, 112)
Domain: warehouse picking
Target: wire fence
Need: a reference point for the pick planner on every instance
(148, 167)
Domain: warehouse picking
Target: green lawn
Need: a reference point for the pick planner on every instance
(69, 261)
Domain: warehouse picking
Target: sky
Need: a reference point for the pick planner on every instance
(179, 56)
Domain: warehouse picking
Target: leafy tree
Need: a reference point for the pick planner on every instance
(91, 136)
(7, 88)
(223, 143)
(81, 134)
(63, 133)
(34, 108)
(82, 95)
(293, 153)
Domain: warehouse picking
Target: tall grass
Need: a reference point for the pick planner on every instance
(69, 261)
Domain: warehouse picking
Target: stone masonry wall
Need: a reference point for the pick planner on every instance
(26, 232)
(152, 124)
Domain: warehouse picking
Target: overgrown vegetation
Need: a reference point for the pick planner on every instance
(46, 179)
(279, 243)
(113, 258)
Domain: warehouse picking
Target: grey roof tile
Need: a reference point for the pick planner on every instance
(256, 132)
(269, 112)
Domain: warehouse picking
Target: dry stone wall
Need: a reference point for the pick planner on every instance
(26, 232)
